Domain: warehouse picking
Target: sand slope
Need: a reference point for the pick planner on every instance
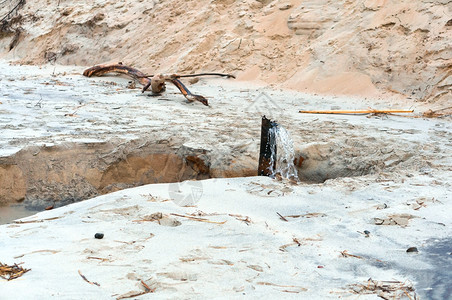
(335, 47)
(233, 244)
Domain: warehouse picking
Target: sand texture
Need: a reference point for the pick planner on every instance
(364, 47)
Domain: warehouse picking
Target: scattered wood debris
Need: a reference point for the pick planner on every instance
(198, 219)
(11, 272)
(384, 289)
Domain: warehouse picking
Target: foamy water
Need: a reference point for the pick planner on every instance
(285, 154)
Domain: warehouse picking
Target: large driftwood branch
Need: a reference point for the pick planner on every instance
(156, 83)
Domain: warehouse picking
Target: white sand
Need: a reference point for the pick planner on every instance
(199, 259)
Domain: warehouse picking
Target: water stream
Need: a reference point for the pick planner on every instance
(285, 154)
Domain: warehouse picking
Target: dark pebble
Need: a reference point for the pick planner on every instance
(99, 235)
(412, 249)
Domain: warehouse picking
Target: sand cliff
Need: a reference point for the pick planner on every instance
(365, 47)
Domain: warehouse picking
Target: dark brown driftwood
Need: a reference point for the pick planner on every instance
(156, 83)
(190, 97)
(267, 155)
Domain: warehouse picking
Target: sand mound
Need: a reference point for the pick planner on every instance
(359, 47)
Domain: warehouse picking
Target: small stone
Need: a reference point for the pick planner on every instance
(412, 249)
(99, 235)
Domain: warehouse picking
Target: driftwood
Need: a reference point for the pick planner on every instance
(155, 82)
(267, 154)
(100, 70)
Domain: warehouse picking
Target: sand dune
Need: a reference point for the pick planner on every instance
(365, 47)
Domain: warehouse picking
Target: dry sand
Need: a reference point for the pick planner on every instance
(365, 47)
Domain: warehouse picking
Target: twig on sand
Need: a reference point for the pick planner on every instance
(74, 114)
(131, 295)
(198, 219)
(99, 258)
(300, 289)
(148, 289)
(36, 221)
(84, 278)
(244, 219)
(281, 217)
(295, 242)
(128, 295)
(346, 254)
(308, 215)
(367, 111)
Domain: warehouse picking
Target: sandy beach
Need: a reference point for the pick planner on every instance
(110, 193)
